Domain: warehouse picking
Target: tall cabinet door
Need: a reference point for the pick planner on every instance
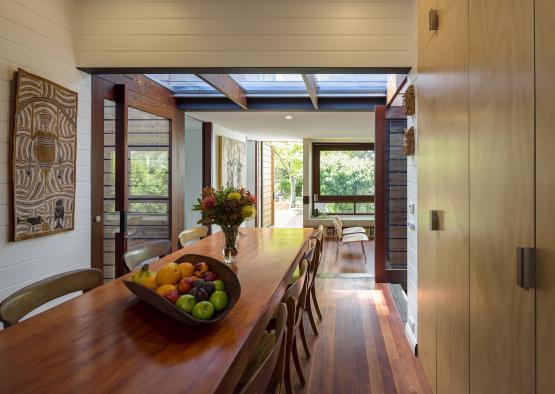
(545, 194)
(452, 183)
(427, 200)
(502, 317)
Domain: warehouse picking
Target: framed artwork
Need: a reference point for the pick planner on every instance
(43, 151)
(232, 166)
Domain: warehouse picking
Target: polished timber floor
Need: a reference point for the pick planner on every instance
(362, 346)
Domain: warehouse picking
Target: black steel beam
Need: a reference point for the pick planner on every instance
(280, 104)
(249, 70)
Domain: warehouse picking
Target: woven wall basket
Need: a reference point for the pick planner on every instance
(409, 141)
(409, 102)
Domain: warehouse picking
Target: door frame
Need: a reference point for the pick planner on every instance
(145, 95)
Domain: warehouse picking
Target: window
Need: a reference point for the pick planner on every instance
(343, 178)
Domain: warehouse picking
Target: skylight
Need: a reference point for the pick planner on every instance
(184, 83)
(270, 83)
(351, 83)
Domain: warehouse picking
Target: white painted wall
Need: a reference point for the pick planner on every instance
(39, 37)
(411, 327)
(234, 33)
(193, 170)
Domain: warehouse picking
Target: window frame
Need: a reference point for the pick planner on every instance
(317, 148)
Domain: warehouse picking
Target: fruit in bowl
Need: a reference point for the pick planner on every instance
(185, 285)
(195, 290)
(201, 269)
(186, 269)
(204, 310)
(186, 303)
(168, 274)
(145, 277)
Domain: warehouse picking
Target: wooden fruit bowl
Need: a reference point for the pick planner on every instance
(233, 289)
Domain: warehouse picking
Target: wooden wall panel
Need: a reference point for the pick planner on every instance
(269, 33)
(267, 179)
(545, 194)
(427, 200)
(452, 183)
(501, 64)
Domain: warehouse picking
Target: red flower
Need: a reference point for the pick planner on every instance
(208, 202)
(252, 198)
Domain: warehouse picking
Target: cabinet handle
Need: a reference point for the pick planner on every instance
(526, 268)
(433, 19)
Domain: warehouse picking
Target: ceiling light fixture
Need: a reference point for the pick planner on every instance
(288, 117)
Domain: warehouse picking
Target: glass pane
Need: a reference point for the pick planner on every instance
(346, 173)
(111, 217)
(335, 208)
(149, 177)
(257, 83)
(365, 207)
(354, 83)
(183, 83)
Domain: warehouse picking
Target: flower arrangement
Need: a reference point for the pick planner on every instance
(227, 208)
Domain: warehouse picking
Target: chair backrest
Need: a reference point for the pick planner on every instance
(295, 295)
(29, 298)
(270, 372)
(338, 227)
(192, 234)
(149, 250)
(318, 236)
(338, 220)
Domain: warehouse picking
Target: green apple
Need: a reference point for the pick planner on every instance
(203, 310)
(219, 299)
(219, 284)
(186, 303)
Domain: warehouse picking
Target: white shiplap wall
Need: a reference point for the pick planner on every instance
(38, 36)
(249, 33)
(411, 328)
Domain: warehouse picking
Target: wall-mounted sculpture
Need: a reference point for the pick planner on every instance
(43, 153)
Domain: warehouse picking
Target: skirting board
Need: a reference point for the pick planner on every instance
(411, 338)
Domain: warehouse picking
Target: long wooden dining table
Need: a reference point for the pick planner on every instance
(108, 341)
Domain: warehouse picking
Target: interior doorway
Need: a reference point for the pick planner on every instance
(288, 184)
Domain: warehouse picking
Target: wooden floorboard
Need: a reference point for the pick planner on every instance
(362, 347)
(351, 259)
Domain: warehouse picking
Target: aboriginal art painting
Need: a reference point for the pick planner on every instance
(43, 157)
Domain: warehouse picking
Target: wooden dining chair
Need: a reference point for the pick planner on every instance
(314, 264)
(294, 298)
(149, 250)
(264, 373)
(192, 234)
(29, 298)
(345, 239)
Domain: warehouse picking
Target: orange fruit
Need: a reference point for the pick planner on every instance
(162, 290)
(186, 269)
(168, 274)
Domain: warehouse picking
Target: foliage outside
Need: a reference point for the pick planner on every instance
(289, 171)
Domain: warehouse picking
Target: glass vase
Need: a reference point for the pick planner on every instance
(231, 243)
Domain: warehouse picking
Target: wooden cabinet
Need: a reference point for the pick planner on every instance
(545, 195)
(427, 200)
(485, 104)
(501, 194)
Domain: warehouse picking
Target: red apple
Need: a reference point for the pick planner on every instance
(210, 276)
(201, 268)
(184, 285)
(172, 296)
